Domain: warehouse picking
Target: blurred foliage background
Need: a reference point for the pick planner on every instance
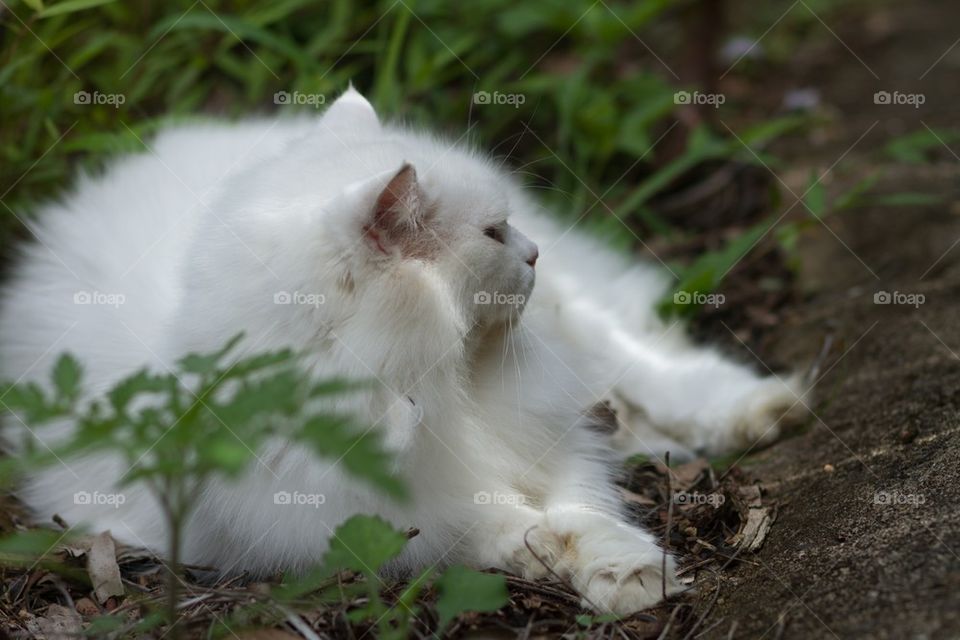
(588, 110)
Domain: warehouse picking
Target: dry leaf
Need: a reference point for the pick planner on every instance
(60, 623)
(687, 474)
(103, 569)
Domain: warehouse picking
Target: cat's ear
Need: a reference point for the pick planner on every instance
(396, 219)
(351, 112)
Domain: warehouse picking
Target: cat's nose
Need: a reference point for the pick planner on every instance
(532, 260)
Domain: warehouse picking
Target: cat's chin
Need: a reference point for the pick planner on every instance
(509, 315)
(500, 323)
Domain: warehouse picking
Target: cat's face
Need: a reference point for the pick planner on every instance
(436, 218)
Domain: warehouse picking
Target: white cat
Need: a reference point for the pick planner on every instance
(405, 239)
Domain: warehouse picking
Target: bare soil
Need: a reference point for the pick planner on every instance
(867, 535)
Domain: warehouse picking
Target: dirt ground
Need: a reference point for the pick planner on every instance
(866, 543)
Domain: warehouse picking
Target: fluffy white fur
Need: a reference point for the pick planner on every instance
(488, 410)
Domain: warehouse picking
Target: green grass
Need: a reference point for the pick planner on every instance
(594, 99)
(586, 89)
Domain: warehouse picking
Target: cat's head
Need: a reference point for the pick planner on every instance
(415, 211)
(381, 243)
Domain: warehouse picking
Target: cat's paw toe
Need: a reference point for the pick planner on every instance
(538, 553)
(773, 407)
(625, 586)
(615, 567)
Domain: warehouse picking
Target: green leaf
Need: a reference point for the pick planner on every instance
(28, 398)
(816, 197)
(228, 454)
(140, 382)
(914, 148)
(71, 6)
(760, 134)
(292, 589)
(235, 27)
(361, 452)
(706, 273)
(462, 589)
(587, 620)
(66, 376)
(28, 546)
(854, 197)
(906, 199)
(363, 544)
(201, 364)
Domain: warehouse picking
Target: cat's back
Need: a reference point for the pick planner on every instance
(100, 278)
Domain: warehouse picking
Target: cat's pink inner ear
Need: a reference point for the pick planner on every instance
(399, 202)
(398, 212)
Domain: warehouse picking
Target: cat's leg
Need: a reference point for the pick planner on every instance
(668, 387)
(634, 433)
(703, 399)
(511, 537)
(616, 566)
(568, 524)
(670, 391)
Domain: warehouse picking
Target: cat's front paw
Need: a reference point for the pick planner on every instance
(615, 567)
(626, 584)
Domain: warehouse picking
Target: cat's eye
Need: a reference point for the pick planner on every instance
(494, 233)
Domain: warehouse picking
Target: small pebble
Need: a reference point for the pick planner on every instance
(86, 607)
(907, 435)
